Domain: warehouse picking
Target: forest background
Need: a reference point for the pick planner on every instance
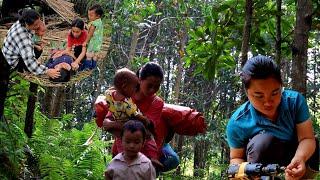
(201, 45)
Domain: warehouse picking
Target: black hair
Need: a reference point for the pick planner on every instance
(259, 67)
(133, 126)
(97, 9)
(78, 22)
(28, 16)
(77, 51)
(150, 69)
(65, 76)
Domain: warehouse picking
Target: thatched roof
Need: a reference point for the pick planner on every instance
(63, 8)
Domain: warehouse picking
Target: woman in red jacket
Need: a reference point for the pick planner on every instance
(150, 77)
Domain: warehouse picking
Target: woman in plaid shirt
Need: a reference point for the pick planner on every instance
(18, 49)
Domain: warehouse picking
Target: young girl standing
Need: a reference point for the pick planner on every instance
(95, 35)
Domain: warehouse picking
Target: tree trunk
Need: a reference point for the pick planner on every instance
(30, 109)
(225, 158)
(53, 102)
(180, 141)
(182, 39)
(246, 32)
(300, 45)
(167, 86)
(133, 46)
(246, 40)
(70, 96)
(200, 149)
(278, 32)
(57, 102)
(286, 71)
(45, 105)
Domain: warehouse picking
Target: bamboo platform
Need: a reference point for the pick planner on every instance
(56, 39)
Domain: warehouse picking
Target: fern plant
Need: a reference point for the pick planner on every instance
(56, 147)
(62, 154)
(12, 140)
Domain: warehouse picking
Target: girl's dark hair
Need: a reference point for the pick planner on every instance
(79, 23)
(28, 16)
(133, 126)
(259, 67)
(97, 9)
(150, 69)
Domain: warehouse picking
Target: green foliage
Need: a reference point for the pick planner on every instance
(57, 148)
(210, 84)
(263, 34)
(211, 44)
(63, 155)
(138, 62)
(12, 140)
(12, 137)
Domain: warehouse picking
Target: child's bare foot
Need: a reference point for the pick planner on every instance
(157, 164)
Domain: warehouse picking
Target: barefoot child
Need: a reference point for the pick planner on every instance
(131, 164)
(95, 34)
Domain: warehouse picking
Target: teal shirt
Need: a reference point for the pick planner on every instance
(96, 40)
(246, 122)
(36, 39)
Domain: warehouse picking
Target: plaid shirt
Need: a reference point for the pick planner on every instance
(18, 43)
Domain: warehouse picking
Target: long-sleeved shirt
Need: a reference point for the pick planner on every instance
(18, 44)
